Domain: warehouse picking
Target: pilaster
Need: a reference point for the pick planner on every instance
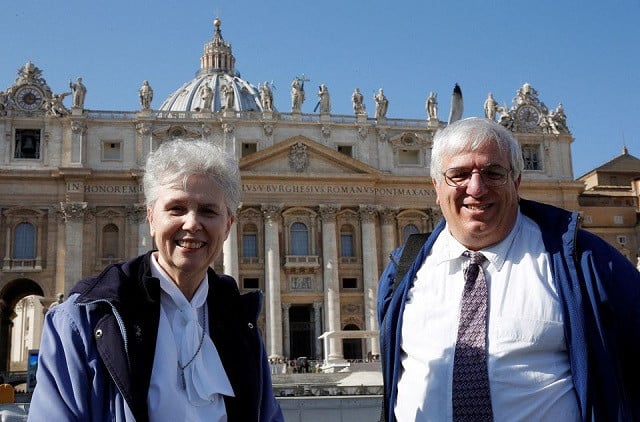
(73, 214)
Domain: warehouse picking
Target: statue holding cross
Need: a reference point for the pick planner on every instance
(297, 93)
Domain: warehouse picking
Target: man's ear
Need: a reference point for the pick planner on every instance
(435, 186)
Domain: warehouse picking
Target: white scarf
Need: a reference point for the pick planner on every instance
(203, 377)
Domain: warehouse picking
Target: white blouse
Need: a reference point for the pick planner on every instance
(195, 392)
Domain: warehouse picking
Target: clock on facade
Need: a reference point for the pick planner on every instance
(528, 115)
(29, 98)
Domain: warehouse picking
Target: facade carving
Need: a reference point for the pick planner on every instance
(298, 157)
(72, 211)
(321, 209)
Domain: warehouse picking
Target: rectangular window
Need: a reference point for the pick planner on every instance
(250, 283)
(346, 245)
(346, 150)
(617, 219)
(27, 143)
(531, 156)
(299, 239)
(111, 151)
(408, 157)
(622, 239)
(249, 246)
(24, 244)
(249, 148)
(349, 283)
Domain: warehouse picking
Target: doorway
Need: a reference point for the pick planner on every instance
(301, 326)
(352, 347)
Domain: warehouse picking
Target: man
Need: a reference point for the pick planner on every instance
(560, 331)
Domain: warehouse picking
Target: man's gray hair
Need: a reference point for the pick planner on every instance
(470, 135)
(176, 160)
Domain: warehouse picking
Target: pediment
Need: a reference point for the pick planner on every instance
(301, 156)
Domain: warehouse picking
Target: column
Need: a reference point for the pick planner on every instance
(73, 214)
(331, 279)
(230, 253)
(286, 328)
(387, 231)
(272, 280)
(138, 216)
(370, 273)
(317, 308)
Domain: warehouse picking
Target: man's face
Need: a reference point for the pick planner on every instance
(478, 215)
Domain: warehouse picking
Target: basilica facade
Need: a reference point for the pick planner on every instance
(326, 197)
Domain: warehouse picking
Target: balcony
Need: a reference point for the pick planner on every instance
(302, 263)
(22, 265)
(349, 260)
(249, 260)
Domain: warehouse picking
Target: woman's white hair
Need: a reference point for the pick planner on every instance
(176, 160)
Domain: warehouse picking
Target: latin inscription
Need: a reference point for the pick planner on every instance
(117, 189)
(336, 190)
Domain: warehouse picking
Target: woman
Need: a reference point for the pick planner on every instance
(162, 336)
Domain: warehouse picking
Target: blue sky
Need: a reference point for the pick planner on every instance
(583, 54)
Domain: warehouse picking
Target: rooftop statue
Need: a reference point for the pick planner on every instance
(432, 106)
(324, 99)
(146, 95)
(381, 104)
(357, 100)
(490, 107)
(266, 97)
(78, 93)
(297, 94)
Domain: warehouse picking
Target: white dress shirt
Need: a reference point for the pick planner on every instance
(528, 363)
(197, 396)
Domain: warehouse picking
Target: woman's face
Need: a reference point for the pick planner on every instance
(189, 226)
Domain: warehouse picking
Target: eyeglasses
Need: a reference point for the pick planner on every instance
(493, 176)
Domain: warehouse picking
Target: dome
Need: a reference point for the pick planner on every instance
(217, 86)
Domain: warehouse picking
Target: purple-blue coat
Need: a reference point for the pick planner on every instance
(600, 293)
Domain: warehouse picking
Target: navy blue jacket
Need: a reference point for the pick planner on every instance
(98, 348)
(600, 294)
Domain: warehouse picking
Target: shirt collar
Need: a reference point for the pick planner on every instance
(171, 289)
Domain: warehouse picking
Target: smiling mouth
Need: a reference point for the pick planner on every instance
(477, 207)
(189, 244)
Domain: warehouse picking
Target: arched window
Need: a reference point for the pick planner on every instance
(24, 241)
(299, 235)
(110, 240)
(408, 230)
(346, 241)
(250, 241)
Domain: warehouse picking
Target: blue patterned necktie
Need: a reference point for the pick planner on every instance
(471, 398)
